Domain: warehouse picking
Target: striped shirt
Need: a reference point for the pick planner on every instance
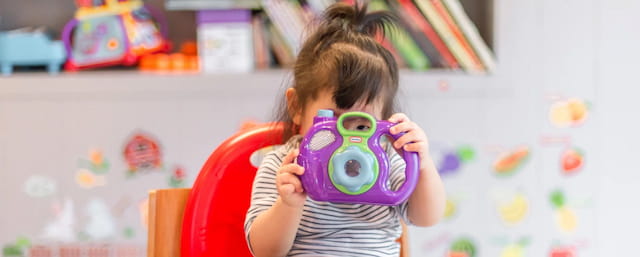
(333, 229)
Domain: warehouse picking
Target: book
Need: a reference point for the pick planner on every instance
(402, 41)
(471, 32)
(462, 56)
(446, 16)
(224, 40)
(289, 19)
(260, 43)
(422, 32)
(280, 49)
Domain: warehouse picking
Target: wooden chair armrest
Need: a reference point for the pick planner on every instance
(166, 209)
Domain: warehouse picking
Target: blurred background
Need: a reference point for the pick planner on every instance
(529, 106)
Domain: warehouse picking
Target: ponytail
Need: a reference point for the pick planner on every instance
(355, 18)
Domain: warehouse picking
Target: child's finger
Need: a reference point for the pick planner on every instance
(292, 168)
(405, 139)
(286, 189)
(290, 157)
(398, 117)
(414, 147)
(403, 127)
(402, 140)
(285, 179)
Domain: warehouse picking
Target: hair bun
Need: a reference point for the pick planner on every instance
(356, 18)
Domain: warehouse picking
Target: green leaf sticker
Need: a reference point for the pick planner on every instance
(557, 198)
(12, 251)
(129, 232)
(466, 153)
(23, 242)
(464, 245)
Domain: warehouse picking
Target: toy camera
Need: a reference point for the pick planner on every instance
(112, 33)
(344, 161)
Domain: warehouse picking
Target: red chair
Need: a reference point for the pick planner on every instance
(214, 210)
(213, 223)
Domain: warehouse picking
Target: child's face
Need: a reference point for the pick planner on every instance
(325, 101)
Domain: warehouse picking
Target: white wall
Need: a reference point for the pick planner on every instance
(571, 48)
(617, 80)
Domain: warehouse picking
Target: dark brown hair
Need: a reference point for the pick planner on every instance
(343, 55)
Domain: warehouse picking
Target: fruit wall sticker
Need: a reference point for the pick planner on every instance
(450, 209)
(571, 161)
(87, 179)
(509, 162)
(568, 113)
(565, 218)
(512, 208)
(17, 249)
(516, 249)
(142, 153)
(96, 162)
(452, 159)
(39, 186)
(563, 251)
(177, 178)
(129, 232)
(92, 170)
(462, 247)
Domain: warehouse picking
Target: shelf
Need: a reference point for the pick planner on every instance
(181, 5)
(126, 84)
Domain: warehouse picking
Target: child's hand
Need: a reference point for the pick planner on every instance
(287, 181)
(415, 140)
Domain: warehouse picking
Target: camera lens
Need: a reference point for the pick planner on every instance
(352, 167)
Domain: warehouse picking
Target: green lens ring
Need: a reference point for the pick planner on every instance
(364, 134)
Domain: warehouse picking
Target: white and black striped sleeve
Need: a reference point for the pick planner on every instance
(264, 192)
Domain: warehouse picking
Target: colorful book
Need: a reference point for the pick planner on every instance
(426, 38)
(463, 57)
(408, 49)
(418, 20)
(444, 13)
(471, 32)
(225, 40)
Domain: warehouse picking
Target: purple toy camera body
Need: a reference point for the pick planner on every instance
(350, 166)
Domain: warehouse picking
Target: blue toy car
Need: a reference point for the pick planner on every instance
(30, 48)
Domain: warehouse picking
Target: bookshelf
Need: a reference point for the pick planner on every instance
(181, 16)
